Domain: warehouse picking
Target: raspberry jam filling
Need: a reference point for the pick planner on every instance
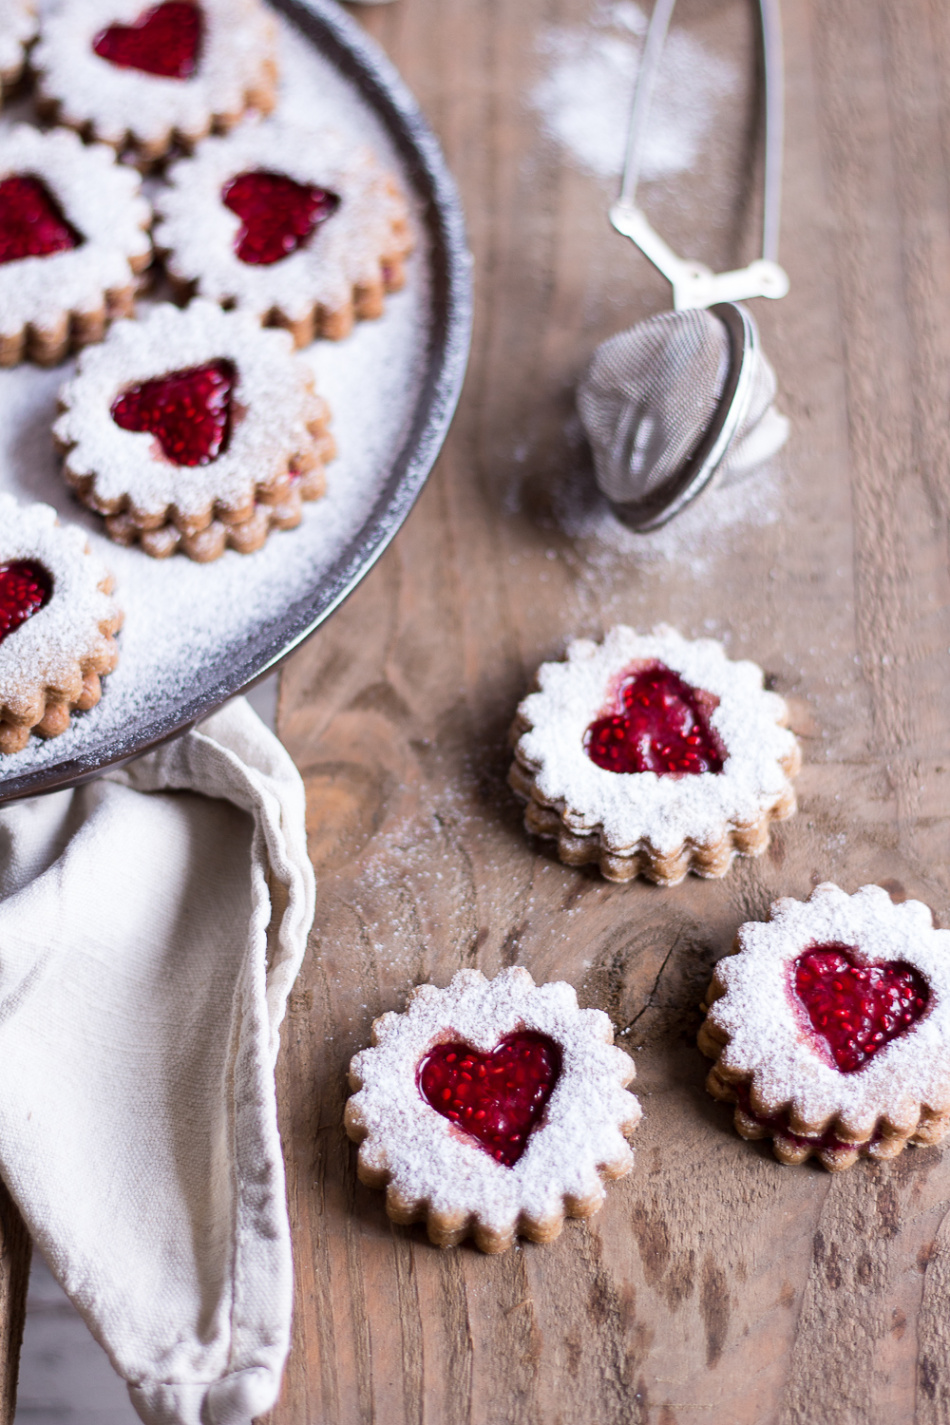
(496, 1098)
(188, 412)
(857, 1009)
(278, 214)
(658, 724)
(164, 40)
(25, 588)
(31, 221)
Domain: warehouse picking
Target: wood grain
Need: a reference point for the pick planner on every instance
(716, 1285)
(15, 1250)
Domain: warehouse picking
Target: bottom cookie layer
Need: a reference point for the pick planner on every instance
(56, 714)
(68, 332)
(710, 860)
(279, 507)
(447, 1229)
(833, 1152)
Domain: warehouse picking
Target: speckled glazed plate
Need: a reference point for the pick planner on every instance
(195, 635)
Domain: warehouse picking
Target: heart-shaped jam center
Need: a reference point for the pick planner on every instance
(31, 221)
(277, 213)
(657, 723)
(164, 40)
(857, 1009)
(188, 412)
(496, 1098)
(25, 588)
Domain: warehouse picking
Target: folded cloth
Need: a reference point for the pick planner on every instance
(151, 926)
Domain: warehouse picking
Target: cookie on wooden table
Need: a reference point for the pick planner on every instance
(492, 1108)
(654, 755)
(57, 624)
(830, 1027)
(73, 237)
(145, 78)
(194, 430)
(301, 227)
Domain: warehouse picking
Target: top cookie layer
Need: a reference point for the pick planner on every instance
(770, 1043)
(18, 26)
(50, 650)
(430, 1161)
(629, 809)
(236, 66)
(275, 402)
(350, 250)
(102, 201)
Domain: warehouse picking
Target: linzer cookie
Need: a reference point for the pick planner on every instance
(145, 78)
(73, 236)
(18, 26)
(492, 1108)
(194, 430)
(57, 624)
(653, 755)
(300, 227)
(830, 1028)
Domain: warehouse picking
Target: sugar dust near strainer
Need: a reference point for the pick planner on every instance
(689, 392)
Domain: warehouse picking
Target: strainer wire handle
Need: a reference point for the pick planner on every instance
(774, 126)
(774, 114)
(643, 98)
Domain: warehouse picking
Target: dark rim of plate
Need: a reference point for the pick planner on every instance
(362, 62)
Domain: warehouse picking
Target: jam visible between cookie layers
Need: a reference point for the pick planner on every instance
(857, 1009)
(661, 725)
(25, 588)
(164, 40)
(31, 221)
(777, 1124)
(496, 1098)
(277, 213)
(188, 412)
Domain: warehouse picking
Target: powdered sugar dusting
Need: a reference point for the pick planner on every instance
(101, 200)
(273, 388)
(199, 232)
(628, 809)
(182, 616)
(47, 650)
(768, 1043)
(701, 535)
(237, 45)
(432, 1164)
(18, 25)
(585, 95)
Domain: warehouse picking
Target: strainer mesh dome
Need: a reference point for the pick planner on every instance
(650, 394)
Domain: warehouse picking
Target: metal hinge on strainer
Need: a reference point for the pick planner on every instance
(688, 392)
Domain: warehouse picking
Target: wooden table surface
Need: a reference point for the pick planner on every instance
(715, 1285)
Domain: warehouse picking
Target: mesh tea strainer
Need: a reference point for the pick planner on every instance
(689, 392)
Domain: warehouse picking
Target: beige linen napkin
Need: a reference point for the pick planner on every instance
(151, 926)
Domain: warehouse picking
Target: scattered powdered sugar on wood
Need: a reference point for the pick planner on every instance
(182, 616)
(700, 536)
(585, 94)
